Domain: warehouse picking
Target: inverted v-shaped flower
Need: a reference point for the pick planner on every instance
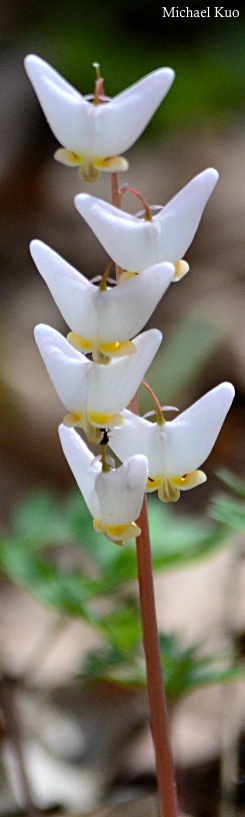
(175, 449)
(94, 134)
(114, 498)
(102, 322)
(94, 394)
(134, 243)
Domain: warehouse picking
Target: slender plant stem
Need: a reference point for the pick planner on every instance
(116, 200)
(115, 190)
(155, 684)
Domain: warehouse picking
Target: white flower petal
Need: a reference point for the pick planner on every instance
(135, 244)
(96, 130)
(125, 310)
(65, 109)
(181, 216)
(121, 491)
(110, 388)
(138, 436)
(180, 446)
(127, 240)
(74, 295)
(36, 67)
(84, 466)
(120, 123)
(67, 368)
(190, 437)
(99, 390)
(105, 317)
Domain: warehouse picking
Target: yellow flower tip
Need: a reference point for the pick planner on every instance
(88, 169)
(189, 481)
(67, 157)
(153, 483)
(181, 268)
(115, 164)
(79, 343)
(125, 276)
(127, 347)
(72, 420)
(101, 420)
(117, 533)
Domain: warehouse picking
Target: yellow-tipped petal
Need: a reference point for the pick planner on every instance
(117, 533)
(153, 483)
(189, 481)
(68, 158)
(72, 420)
(181, 268)
(116, 349)
(82, 344)
(125, 275)
(116, 164)
(105, 420)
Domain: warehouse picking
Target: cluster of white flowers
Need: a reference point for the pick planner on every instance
(105, 319)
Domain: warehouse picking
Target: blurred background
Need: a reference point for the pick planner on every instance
(200, 124)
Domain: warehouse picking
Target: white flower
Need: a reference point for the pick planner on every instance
(175, 449)
(94, 394)
(135, 244)
(101, 321)
(93, 135)
(114, 498)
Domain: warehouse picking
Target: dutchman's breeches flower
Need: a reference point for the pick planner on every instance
(176, 449)
(93, 134)
(135, 244)
(94, 394)
(114, 498)
(102, 320)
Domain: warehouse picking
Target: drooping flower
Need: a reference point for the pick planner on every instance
(93, 135)
(114, 498)
(135, 244)
(175, 449)
(94, 394)
(102, 321)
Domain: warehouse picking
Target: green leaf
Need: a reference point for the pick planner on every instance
(68, 591)
(232, 481)
(110, 663)
(178, 540)
(122, 625)
(41, 519)
(230, 512)
(184, 669)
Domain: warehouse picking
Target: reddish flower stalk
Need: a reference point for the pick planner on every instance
(155, 683)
